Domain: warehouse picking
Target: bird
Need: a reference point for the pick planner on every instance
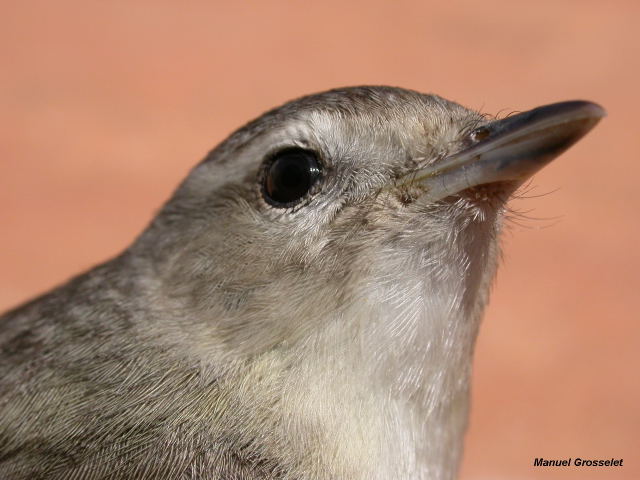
(304, 306)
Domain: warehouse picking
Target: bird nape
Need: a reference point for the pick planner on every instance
(303, 307)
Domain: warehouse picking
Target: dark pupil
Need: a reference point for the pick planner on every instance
(290, 176)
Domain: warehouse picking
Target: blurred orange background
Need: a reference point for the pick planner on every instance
(105, 106)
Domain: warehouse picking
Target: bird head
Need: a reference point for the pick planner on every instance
(339, 250)
(370, 199)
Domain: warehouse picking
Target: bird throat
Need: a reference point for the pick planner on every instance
(399, 376)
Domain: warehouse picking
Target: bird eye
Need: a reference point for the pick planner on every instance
(290, 174)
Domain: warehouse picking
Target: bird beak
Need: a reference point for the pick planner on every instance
(510, 150)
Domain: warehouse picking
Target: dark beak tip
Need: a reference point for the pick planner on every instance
(575, 118)
(587, 110)
(569, 111)
(596, 110)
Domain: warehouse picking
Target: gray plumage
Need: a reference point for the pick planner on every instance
(235, 339)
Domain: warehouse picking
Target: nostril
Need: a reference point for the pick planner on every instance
(479, 134)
